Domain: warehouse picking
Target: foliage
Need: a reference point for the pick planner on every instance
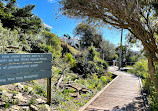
(127, 54)
(68, 58)
(21, 41)
(90, 63)
(53, 41)
(45, 48)
(69, 49)
(141, 69)
(88, 35)
(91, 53)
(94, 82)
(62, 99)
(40, 89)
(13, 17)
(108, 50)
(132, 56)
(137, 16)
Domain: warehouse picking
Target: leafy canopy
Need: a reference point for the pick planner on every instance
(88, 35)
(137, 16)
(13, 17)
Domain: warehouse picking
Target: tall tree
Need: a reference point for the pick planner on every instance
(133, 15)
(13, 17)
(88, 35)
(53, 40)
(107, 50)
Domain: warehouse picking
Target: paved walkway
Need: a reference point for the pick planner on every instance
(123, 94)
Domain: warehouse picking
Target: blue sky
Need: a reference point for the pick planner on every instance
(47, 9)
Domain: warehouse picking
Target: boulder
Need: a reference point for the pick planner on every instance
(20, 97)
(15, 107)
(34, 108)
(25, 108)
(47, 107)
(20, 86)
(39, 100)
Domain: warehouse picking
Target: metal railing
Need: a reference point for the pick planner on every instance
(123, 63)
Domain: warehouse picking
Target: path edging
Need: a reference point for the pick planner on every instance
(90, 101)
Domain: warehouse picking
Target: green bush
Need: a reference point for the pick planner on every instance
(53, 41)
(45, 48)
(141, 69)
(91, 53)
(84, 67)
(68, 58)
(41, 90)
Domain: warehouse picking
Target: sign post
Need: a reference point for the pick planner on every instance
(48, 91)
(25, 67)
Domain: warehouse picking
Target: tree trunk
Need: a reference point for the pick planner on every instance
(152, 72)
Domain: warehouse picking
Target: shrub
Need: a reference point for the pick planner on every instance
(84, 67)
(40, 90)
(68, 58)
(141, 69)
(91, 53)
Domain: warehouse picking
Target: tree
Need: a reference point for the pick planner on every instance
(107, 50)
(13, 17)
(88, 35)
(53, 40)
(134, 15)
(127, 54)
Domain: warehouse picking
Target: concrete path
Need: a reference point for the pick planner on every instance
(123, 94)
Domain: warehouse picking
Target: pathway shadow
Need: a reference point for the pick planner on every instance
(136, 105)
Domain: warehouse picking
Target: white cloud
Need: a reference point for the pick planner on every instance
(51, 1)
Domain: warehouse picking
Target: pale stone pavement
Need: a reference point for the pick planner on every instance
(122, 95)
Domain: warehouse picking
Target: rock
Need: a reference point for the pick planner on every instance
(15, 107)
(25, 108)
(20, 97)
(47, 107)
(34, 108)
(30, 89)
(39, 100)
(2, 104)
(1, 92)
(1, 110)
(75, 95)
(4, 91)
(20, 86)
(15, 101)
(7, 94)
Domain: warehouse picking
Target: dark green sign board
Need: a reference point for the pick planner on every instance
(24, 67)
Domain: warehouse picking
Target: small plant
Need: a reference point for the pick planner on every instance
(57, 97)
(32, 101)
(103, 79)
(15, 101)
(7, 104)
(33, 81)
(26, 88)
(14, 93)
(40, 90)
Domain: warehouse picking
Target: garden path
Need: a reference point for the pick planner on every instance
(122, 94)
